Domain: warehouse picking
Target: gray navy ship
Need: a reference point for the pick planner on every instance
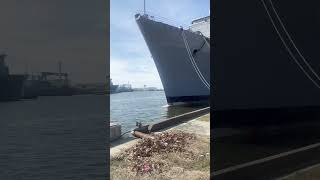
(182, 57)
(11, 86)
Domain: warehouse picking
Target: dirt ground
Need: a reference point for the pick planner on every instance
(180, 158)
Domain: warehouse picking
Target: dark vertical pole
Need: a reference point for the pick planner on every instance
(144, 6)
(60, 69)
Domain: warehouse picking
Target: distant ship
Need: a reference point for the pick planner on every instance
(54, 84)
(113, 88)
(11, 86)
(182, 57)
(47, 84)
(31, 87)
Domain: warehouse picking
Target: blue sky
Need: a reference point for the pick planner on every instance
(130, 59)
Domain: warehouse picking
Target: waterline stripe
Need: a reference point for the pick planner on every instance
(263, 160)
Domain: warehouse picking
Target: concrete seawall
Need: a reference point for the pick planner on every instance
(173, 121)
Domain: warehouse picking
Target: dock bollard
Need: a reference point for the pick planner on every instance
(115, 131)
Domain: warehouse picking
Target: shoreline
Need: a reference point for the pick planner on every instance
(190, 126)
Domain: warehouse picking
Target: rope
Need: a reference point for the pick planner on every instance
(195, 51)
(196, 67)
(287, 48)
(193, 62)
(204, 38)
(121, 135)
(203, 80)
(294, 45)
(191, 57)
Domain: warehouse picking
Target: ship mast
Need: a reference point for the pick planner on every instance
(144, 7)
(60, 69)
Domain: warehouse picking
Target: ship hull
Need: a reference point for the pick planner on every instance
(31, 89)
(180, 80)
(11, 88)
(252, 67)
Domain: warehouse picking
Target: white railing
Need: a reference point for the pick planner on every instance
(161, 19)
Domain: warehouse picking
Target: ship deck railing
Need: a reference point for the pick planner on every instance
(162, 19)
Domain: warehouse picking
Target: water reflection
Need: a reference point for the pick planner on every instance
(145, 107)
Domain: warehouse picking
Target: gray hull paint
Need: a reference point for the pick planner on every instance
(252, 68)
(169, 53)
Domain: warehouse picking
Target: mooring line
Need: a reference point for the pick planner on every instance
(287, 47)
(291, 40)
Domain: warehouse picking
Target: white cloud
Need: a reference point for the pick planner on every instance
(122, 71)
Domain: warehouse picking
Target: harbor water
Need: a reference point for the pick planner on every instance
(143, 106)
(54, 138)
